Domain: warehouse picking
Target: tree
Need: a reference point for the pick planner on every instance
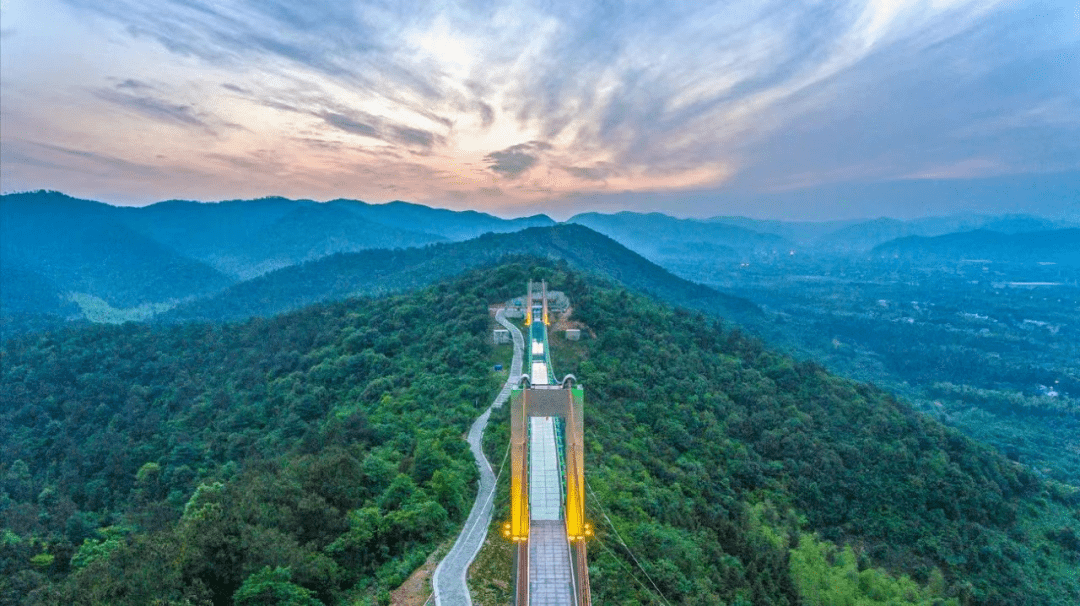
(273, 588)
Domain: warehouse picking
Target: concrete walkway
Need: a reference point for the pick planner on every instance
(449, 580)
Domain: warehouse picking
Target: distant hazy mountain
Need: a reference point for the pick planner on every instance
(800, 232)
(448, 224)
(79, 246)
(666, 239)
(379, 271)
(245, 238)
(1056, 246)
(54, 245)
(308, 232)
(865, 235)
(857, 236)
(659, 236)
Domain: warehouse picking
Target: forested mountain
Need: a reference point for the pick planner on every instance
(309, 232)
(23, 290)
(170, 464)
(381, 271)
(659, 236)
(249, 237)
(1055, 246)
(317, 456)
(239, 237)
(451, 225)
(78, 246)
(55, 249)
(733, 448)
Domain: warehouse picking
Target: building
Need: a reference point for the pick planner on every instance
(558, 302)
(573, 334)
(501, 335)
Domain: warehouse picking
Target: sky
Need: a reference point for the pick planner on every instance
(790, 109)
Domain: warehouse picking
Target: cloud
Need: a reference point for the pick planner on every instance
(487, 114)
(590, 173)
(61, 157)
(375, 127)
(414, 136)
(153, 107)
(132, 84)
(516, 159)
(350, 125)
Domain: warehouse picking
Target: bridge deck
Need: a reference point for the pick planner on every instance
(545, 489)
(550, 575)
(550, 568)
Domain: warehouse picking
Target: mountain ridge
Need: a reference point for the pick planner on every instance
(381, 271)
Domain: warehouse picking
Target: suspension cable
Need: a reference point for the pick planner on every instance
(629, 572)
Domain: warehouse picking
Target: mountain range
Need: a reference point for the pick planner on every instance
(56, 249)
(63, 257)
(661, 237)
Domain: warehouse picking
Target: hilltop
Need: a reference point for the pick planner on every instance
(383, 271)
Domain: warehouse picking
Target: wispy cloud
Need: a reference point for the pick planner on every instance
(43, 155)
(350, 125)
(105, 160)
(152, 107)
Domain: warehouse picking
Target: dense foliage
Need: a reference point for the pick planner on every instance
(317, 457)
(992, 348)
(313, 454)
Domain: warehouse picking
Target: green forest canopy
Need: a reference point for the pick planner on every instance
(317, 457)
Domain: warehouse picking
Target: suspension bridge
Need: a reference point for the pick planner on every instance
(547, 482)
(547, 485)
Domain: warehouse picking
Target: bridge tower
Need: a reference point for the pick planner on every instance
(543, 297)
(528, 305)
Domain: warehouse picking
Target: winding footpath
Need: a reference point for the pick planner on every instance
(449, 581)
